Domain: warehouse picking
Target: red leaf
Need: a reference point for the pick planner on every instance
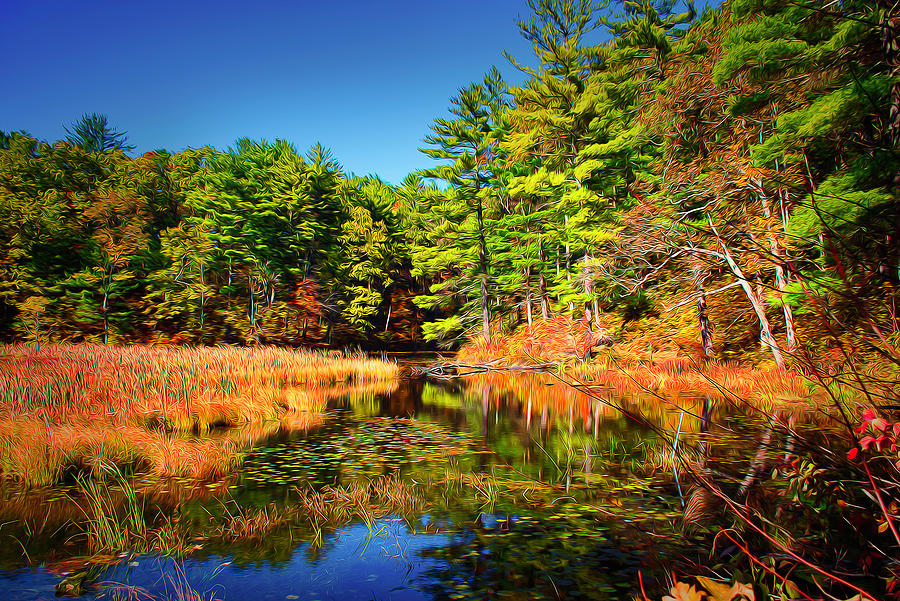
(866, 442)
(852, 453)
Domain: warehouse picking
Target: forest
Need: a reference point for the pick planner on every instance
(701, 196)
(717, 179)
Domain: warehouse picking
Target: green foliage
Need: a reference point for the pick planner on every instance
(200, 246)
(646, 158)
(458, 222)
(92, 133)
(839, 204)
(441, 330)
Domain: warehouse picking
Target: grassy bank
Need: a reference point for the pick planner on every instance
(634, 364)
(64, 408)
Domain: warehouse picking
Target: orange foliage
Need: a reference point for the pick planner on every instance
(73, 405)
(653, 363)
(545, 341)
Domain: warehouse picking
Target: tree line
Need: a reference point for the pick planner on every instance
(731, 175)
(253, 244)
(726, 181)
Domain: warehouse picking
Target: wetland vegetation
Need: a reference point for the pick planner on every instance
(666, 265)
(495, 485)
(477, 488)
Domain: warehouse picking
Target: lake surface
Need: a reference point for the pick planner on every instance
(517, 487)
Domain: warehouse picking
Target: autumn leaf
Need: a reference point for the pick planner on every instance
(880, 424)
(721, 591)
(683, 591)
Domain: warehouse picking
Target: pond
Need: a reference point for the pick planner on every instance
(513, 486)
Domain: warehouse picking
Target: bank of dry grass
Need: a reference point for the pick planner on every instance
(67, 407)
(651, 363)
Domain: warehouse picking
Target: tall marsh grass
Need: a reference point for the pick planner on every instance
(109, 527)
(64, 408)
(642, 364)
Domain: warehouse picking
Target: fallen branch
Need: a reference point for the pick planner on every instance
(447, 370)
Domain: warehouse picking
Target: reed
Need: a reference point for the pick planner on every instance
(38, 453)
(107, 526)
(66, 407)
(173, 585)
(252, 524)
(134, 381)
(367, 501)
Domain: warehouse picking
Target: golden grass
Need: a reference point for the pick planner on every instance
(664, 365)
(38, 453)
(675, 375)
(253, 524)
(66, 406)
(545, 341)
(336, 505)
(205, 383)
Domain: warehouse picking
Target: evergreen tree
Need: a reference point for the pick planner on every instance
(93, 133)
(462, 214)
(268, 214)
(549, 127)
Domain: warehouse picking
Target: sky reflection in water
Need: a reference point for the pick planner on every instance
(464, 439)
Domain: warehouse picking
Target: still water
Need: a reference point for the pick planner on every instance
(495, 486)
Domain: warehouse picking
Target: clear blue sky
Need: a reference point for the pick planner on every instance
(365, 78)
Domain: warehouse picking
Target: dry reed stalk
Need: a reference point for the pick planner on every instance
(375, 499)
(35, 456)
(253, 524)
(103, 402)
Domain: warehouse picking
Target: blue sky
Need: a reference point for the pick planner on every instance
(364, 78)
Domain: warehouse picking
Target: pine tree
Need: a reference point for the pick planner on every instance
(550, 125)
(269, 215)
(93, 133)
(462, 215)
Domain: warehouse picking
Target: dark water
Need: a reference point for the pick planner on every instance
(529, 490)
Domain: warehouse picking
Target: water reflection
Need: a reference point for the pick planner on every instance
(517, 476)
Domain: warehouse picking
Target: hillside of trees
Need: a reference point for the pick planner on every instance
(725, 183)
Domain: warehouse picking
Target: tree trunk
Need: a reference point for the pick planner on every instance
(890, 45)
(758, 308)
(778, 267)
(568, 260)
(485, 310)
(755, 301)
(588, 291)
(251, 308)
(105, 318)
(482, 256)
(528, 294)
(705, 330)
(542, 287)
(202, 299)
